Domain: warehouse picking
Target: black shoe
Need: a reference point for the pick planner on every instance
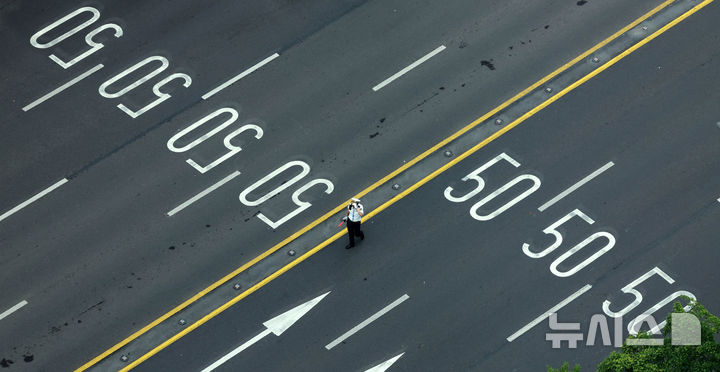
(349, 246)
(362, 237)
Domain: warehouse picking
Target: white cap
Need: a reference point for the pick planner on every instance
(356, 200)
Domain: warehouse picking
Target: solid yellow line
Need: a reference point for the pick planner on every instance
(372, 187)
(429, 177)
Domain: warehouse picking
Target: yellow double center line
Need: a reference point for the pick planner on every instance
(399, 196)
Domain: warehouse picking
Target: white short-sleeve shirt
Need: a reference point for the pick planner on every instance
(354, 216)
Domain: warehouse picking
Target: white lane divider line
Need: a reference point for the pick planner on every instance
(367, 321)
(575, 186)
(546, 314)
(240, 76)
(382, 367)
(34, 198)
(63, 87)
(203, 193)
(13, 309)
(410, 67)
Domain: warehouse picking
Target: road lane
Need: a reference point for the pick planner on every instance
(13, 309)
(196, 317)
(470, 283)
(87, 256)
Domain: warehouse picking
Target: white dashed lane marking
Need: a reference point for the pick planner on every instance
(203, 193)
(63, 87)
(240, 76)
(575, 186)
(34, 198)
(367, 321)
(546, 314)
(13, 309)
(410, 67)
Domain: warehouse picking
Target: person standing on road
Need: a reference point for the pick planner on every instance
(353, 216)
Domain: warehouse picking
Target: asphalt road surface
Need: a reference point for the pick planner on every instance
(146, 206)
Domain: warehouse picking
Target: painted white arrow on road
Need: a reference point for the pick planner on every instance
(382, 367)
(276, 326)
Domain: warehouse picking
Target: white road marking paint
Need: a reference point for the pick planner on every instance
(553, 309)
(535, 186)
(282, 322)
(34, 39)
(161, 96)
(13, 309)
(367, 321)
(718, 199)
(94, 46)
(410, 67)
(203, 193)
(575, 186)
(276, 325)
(382, 367)
(164, 63)
(240, 76)
(34, 198)
(63, 87)
(237, 351)
(305, 170)
(302, 205)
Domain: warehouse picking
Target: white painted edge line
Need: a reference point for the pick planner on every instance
(410, 67)
(63, 87)
(575, 186)
(203, 193)
(240, 76)
(367, 321)
(34, 198)
(553, 309)
(13, 309)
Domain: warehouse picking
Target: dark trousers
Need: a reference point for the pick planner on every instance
(353, 231)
